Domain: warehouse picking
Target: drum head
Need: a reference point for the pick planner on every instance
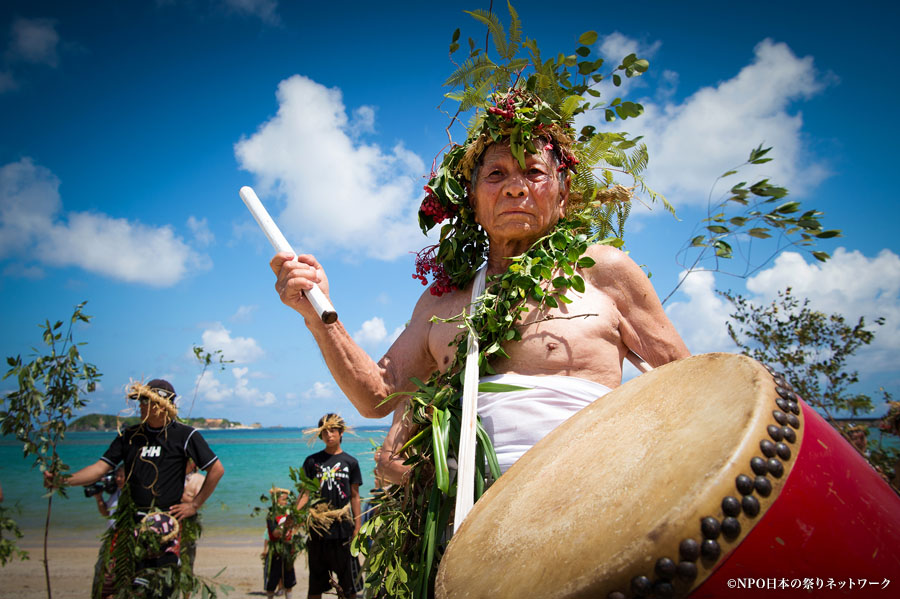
(643, 492)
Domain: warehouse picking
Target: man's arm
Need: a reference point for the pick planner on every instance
(85, 476)
(101, 505)
(363, 381)
(644, 326)
(213, 474)
(388, 459)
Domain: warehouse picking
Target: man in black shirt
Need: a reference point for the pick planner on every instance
(155, 453)
(339, 480)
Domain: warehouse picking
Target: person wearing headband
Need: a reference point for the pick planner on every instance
(154, 454)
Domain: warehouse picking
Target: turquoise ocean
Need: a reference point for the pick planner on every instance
(254, 460)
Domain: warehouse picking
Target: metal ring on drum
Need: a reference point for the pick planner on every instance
(704, 471)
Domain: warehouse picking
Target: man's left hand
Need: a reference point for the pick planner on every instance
(183, 510)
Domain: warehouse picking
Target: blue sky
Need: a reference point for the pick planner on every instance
(128, 129)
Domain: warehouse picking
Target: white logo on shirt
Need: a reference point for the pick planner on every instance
(151, 451)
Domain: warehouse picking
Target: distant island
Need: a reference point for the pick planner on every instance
(109, 422)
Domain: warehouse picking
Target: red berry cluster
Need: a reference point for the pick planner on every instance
(426, 264)
(568, 162)
(506, 114)
(433, 208)
(506, 107)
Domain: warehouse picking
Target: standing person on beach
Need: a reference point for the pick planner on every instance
(154, 454)
(107, 508)
(279, 549)
(328, 547)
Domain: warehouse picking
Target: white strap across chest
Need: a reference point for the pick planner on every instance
(465, 476)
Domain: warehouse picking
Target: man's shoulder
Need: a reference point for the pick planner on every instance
(183, 430)
(606, 254)
(349, 458)
(611, 264)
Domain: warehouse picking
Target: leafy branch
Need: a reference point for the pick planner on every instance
(206, 360)
(50, 390)
(810, 347)
(748, 213)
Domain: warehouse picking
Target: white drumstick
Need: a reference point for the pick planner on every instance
(315, 296)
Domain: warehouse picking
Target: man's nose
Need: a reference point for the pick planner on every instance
(515, 186)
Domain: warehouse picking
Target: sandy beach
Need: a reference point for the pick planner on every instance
(72, 567)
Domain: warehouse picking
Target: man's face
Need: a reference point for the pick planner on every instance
(513, 203)
(331, 437)
(120, 478)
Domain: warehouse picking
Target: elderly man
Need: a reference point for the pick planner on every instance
(517, 197)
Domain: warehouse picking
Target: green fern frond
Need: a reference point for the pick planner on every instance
(535, 53)
(569, 105)
(473, 97)
(495, 27)
(470, 71)
(515, 30)
(639, 160)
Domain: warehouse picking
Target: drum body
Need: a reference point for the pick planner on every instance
(701, 477)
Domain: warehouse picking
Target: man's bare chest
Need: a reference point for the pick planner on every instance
(552, 339)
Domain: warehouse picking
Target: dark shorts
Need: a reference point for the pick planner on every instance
(279, 568)
(327, 556)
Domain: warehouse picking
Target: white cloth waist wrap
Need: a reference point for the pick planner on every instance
(516, 420)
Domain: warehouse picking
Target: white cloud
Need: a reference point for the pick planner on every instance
(849, 284)
(240, 392)
(371, 333)
(244, 314)
(34, 41)
(119, 249)
(242, 350)
(200, 229)
(713, 130)
(33, 224)
(319, 390)
(339, 193)
(701, 319)
(613, 48)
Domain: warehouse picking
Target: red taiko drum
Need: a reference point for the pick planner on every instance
(707, 477)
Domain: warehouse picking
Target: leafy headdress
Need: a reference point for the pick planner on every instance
(162, 400)
(529, 104)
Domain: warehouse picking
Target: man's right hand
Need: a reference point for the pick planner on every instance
(296, 275)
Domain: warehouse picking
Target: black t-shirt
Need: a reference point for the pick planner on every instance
(155, 461)
(335, 473)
